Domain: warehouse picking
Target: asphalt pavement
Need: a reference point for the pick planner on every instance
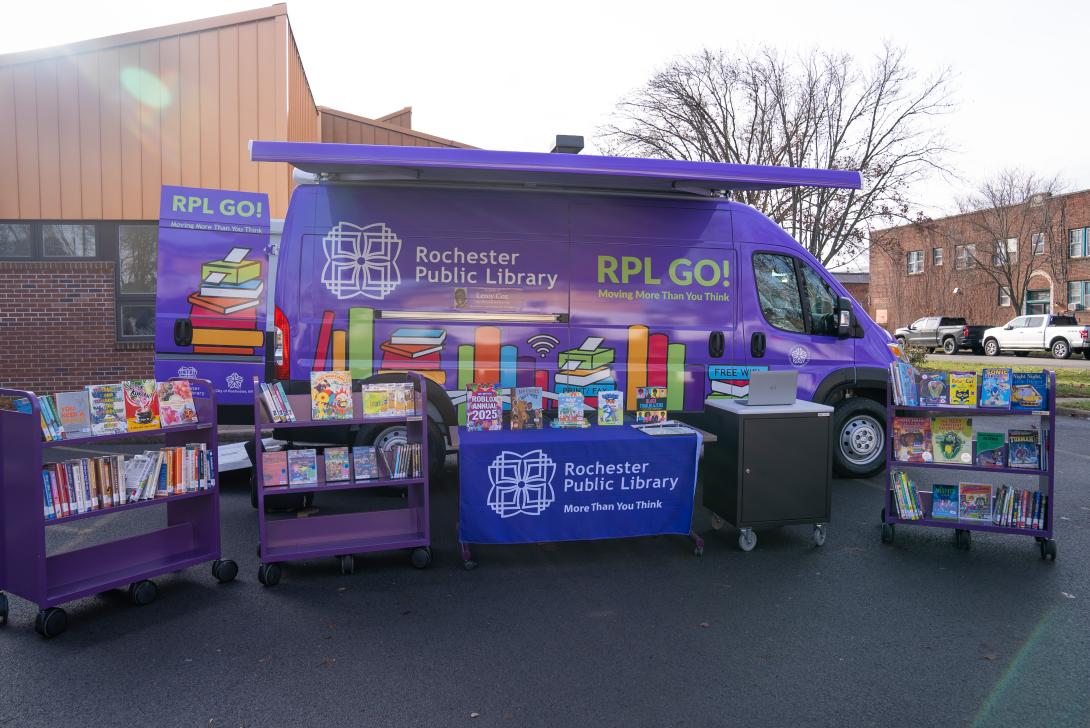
(611, 633)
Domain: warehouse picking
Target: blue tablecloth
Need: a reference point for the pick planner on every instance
(528, 486)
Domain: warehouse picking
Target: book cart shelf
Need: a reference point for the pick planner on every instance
(1045, 477)
(27, 570)
(287, 538)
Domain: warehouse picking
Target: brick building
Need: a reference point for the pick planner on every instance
(858, 284)
(88, 134)
(988, 266)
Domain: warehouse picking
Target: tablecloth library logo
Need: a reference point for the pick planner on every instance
(521, 483)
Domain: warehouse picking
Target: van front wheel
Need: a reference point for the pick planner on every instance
(860, 437)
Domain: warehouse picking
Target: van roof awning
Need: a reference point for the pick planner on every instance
(371, 162)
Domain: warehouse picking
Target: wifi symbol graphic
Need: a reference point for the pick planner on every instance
(543, 344)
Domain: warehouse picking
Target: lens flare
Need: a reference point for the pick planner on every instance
(145, 87)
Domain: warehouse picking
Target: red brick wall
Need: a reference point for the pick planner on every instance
(861, 293)
(58, 327)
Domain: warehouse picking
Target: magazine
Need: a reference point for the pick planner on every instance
(107, 408)
(952, 440)
(912, 439)
(526, 410)
(483, 409)
(331, 395)
(974, 502)
(650, 404)
(995, 388)
(962, 388)
(611, 407)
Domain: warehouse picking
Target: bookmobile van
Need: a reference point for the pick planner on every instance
(573, 273)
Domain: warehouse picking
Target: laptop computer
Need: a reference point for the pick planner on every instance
(769, 388)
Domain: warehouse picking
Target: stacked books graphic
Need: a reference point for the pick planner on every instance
(586, 370)
(224, 310)
(415, 349)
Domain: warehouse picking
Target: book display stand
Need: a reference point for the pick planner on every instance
(27, 570)
(1044, 477)
(288, 538)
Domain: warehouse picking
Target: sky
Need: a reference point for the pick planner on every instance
(512, 75)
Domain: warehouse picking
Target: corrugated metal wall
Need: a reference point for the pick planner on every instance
(342, 128)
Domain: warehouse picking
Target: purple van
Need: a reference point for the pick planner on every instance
(573, 273)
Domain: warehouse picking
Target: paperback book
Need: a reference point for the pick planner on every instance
(141, 404)
(1015, 508)
(611, 407)
(962, 388)
(912, 439)
(944, 502)
(51, 424)
(402, 461)
(650, 404)
(483, 409)
(1024, 449)
(1029, 391)
(331, 395)
(302, 467)
(995, 388)
(526, 409)
(74, 414)
(274, 468)
(952, 440)
(905, 497)
(175, 403)
(364, 463)
(991, 449)
(106, 404)
(974, 502)
(934, 389)
(569, 410)
(337, 464)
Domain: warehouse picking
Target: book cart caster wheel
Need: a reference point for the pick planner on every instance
(819, 534)
(963, 539)
(224, 570)
(269, 574)
(698, 551)
(883, 518)
(348, 564)
(747, 539)
(421, 557)
(51, 622)
(1048, 549)
(469, 565)
(143, 592)
(3, 609)
(887, 533)
(717, 523)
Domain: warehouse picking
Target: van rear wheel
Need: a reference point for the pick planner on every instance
(860, 437)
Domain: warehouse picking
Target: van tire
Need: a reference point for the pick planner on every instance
(437, 447)
(859, 439)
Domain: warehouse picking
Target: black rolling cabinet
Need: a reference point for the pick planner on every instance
(770, 466)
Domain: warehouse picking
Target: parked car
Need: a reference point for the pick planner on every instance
(511, 267)
(1060, 335)
(948, 333)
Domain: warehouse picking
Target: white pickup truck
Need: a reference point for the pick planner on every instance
(1059, 334)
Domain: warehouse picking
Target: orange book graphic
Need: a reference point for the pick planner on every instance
(227, 337)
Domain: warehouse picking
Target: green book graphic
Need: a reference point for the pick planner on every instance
(233, 273)
(361, 333)
(588, 359)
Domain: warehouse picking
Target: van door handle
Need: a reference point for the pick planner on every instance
(716, 344)
(183, 332)
(757, 344)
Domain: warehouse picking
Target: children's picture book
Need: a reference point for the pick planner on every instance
(141, 404)
(402, 399)
(962, 388)
(906, 380)
(74, 414)
(569, 410)
(303, 466)
(991, 449)
(483, 408)
(1029, 391)
(376, 400)
(952, 440)
(650, 404)
(1024, 449)
(944, 502)
(974, 502)
(364, 463)
(337, 466)
(274, 468)
(611, 407)
(176, 403)
(106, 404)
(934, 389)
(331, 395)
(995, 388)
(912, 439)
(526, 410)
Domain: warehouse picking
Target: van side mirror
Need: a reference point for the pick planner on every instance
(843, 317)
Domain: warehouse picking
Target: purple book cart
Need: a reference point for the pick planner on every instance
(287, 538)
(27, 570)
(1044, 477)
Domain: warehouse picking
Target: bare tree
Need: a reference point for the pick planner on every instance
(1015, 219)
(819, 110)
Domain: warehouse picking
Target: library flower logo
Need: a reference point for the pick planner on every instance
(234, 381)
(361, 261)
(521, 483)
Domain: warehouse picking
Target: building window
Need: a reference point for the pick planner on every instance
(137, 321)
(16, 240)
(1076, 243)
(1004, 296)
(1005, 251)
(964, 256)
(1037, 243)
(1078, 295)
(915, 262)
(936, 256)
(68, 241)
(137, 247)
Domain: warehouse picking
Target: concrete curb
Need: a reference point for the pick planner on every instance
(1072, 412)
